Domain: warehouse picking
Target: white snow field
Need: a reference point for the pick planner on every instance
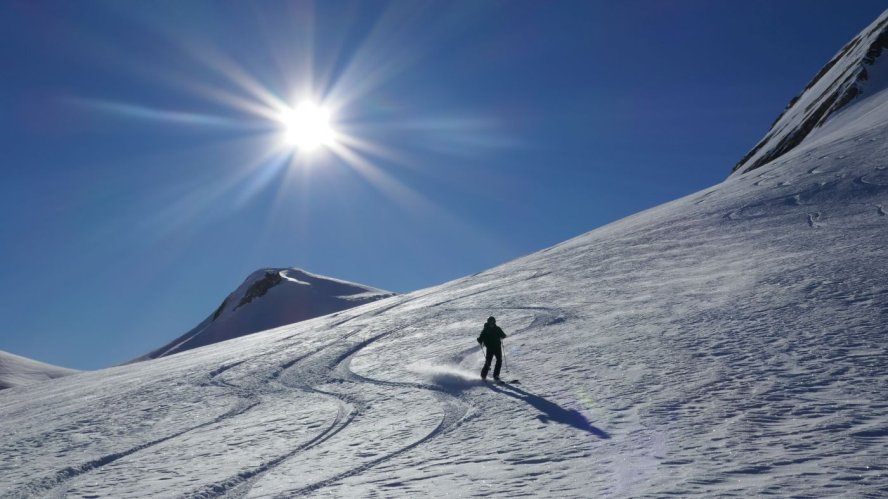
(729, 343)
(270, 298)
(16, 370)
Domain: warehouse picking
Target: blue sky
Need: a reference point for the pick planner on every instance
(143, 177)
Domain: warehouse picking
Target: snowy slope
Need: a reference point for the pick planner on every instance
(269, 298)
(731, 342)
(16, 370)
(856, 72)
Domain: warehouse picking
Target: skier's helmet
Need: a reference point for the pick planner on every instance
(491, 320)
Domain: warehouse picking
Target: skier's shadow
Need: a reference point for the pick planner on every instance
(551, 411)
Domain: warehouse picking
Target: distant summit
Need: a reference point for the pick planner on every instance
(16, 370)
(857, 72)
(270, 298)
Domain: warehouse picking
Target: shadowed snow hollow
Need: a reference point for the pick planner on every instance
(269, 298)
(729, 343)
(19, 371)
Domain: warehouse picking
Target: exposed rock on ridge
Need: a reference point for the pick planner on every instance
(845, 78)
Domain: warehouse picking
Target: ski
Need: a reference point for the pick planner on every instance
(503, 382)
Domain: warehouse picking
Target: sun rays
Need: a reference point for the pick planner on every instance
(304, 118)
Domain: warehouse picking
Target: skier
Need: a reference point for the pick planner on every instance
(491, 337)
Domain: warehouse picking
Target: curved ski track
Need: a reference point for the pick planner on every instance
(334, 367)
(55, 484)
(321, 366)
(454, 409)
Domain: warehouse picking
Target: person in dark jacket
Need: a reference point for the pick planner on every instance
(492, 338)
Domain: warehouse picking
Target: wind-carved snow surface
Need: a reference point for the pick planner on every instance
(270, 298)
(16, 370)
(731, 342)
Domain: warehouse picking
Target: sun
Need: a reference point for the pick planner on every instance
(307, 127)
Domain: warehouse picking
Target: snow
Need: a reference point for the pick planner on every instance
(270, 298)
(731, 342)
(16, 370)
(856, 72)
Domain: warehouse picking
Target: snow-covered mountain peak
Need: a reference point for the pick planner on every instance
(260, 282)
(270, 298)
(856, 73)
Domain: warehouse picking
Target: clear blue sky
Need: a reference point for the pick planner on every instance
(142, 182)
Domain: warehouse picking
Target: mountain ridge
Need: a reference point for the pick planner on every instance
(297, 295)
(848, 76)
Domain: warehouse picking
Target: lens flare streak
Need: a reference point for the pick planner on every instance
(301, 128)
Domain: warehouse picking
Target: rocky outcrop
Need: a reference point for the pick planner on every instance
(844, 79)
(258, 289)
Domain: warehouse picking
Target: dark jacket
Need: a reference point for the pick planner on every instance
(491, 336)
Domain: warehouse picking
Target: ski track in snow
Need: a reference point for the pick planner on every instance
(54, 484)
(454, 410)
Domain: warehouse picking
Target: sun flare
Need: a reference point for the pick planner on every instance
(307, 126)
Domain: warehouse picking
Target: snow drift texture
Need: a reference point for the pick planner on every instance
(19, 371)
(270, 298)
(731, 342)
